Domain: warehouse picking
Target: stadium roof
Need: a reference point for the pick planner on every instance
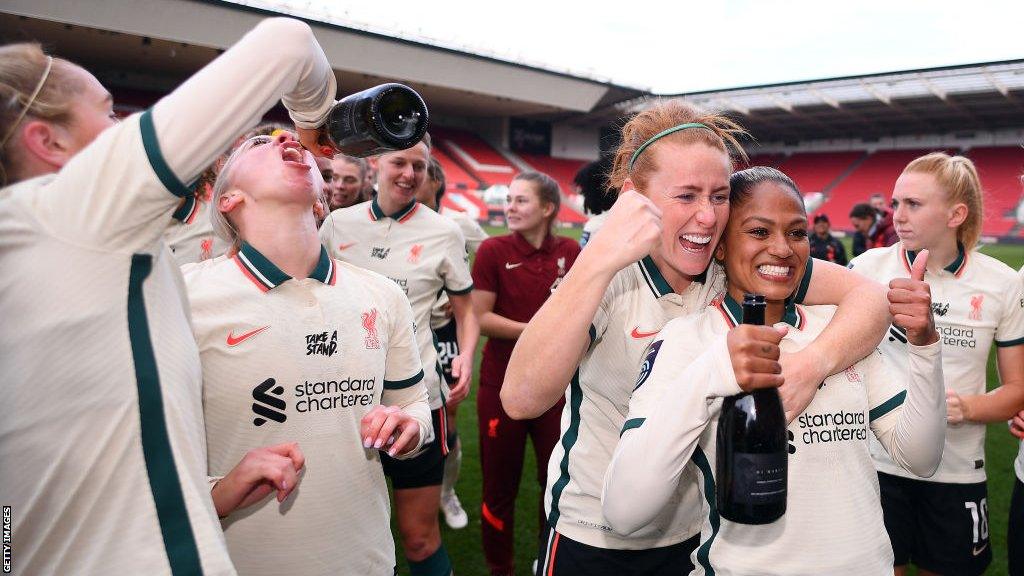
(952, 99)
(156, 44)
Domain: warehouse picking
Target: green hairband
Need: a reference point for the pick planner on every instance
(661, 135)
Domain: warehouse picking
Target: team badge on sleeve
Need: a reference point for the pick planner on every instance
(648, 365)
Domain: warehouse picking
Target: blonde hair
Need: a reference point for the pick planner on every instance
(222, 226)
(719, 132)
(22, 67)
(959, 179)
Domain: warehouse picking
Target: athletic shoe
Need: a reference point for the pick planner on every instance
(454, 515)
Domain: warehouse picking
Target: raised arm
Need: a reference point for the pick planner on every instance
(557, 337)
(915, 430)
(279, 59)
(859, 324)
(120, 191)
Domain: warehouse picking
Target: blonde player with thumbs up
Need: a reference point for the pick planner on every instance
(941, 524)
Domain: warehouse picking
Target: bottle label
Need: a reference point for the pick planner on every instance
(759, 478)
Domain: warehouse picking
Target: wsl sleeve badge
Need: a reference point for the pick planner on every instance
(645, 369)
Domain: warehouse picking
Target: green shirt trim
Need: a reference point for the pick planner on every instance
(156, 157)
(164, 482)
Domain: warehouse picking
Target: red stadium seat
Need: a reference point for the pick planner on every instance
(475, 155)
(454, 175)
(1000, 169)
(561, 169)
(876, 174)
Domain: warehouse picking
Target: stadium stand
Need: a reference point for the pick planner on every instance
(456, 177)
(772, 160)
(561, 169)
(876, 173)
(475, 155)
(1000, 169)
(818, 171)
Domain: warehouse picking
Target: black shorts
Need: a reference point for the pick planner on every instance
(560, 556)
(427, 467)
(447, 344)
(1015, 530)
(937, 526)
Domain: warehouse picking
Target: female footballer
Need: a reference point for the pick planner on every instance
(425, 254)
(103, 410)
(327, 352)
(940, 524)
(512, 277)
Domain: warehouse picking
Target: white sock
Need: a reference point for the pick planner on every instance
(452, 464)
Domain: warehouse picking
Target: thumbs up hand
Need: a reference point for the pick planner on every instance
(910, 303)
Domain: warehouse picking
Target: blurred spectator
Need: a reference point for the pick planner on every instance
(370, 179)
(347, 182)
(877, 232)
(878, 202)
(825, 246)
(592, 182)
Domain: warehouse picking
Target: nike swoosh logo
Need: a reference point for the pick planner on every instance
(636, 333)
(346, 246)
(976, 551)
(509, 265)
(235, 341)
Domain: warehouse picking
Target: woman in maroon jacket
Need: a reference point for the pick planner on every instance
(512, 277)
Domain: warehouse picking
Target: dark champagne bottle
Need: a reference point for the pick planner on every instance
(752, 447)
(377, 120)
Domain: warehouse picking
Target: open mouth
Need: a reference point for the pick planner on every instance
(775, 273)
(293, 155)
(695, 242)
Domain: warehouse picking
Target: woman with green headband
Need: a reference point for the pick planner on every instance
(651, 262)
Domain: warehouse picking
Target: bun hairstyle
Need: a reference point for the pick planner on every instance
(642, 132)
(26, 70)
(959, 178)
(742, 183)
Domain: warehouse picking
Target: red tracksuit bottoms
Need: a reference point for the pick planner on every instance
(502, 447)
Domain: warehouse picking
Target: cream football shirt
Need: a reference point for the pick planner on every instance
(417, 248)
(1018, 463)
(636, 305)
(101, 428)
(190, 235)
(474, 236)
(101, 434)
(976, 302)
(833, 521)
(290, 360)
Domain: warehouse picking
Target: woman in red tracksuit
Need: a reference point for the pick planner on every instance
(512, 277)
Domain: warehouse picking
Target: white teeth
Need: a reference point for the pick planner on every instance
(291, 154)
(697, 239)
(769, 270)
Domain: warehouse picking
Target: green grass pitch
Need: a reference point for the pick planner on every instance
(465, 548)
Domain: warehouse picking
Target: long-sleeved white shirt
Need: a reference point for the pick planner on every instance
(101, 428)
(833, 515)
